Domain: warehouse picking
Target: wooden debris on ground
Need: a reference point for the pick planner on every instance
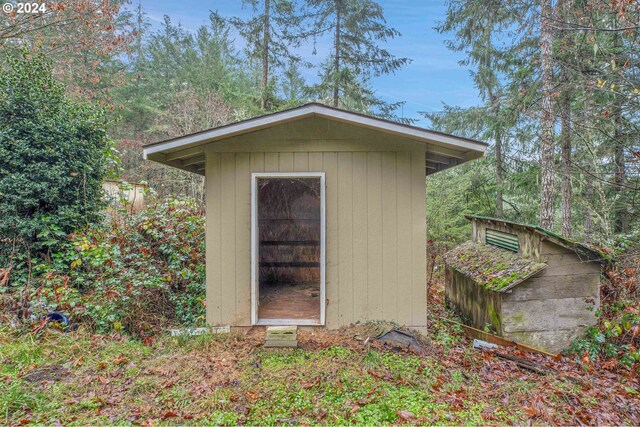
(527, 364)
(474, 333)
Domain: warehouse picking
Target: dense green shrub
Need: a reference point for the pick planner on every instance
(615, 340)
(137, 273)
(53, 158)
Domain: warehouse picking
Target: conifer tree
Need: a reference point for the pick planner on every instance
(271, 34)
(357, 28)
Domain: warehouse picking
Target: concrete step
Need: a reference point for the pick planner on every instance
(281, 336)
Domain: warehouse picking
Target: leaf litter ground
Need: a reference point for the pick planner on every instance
(335, 377)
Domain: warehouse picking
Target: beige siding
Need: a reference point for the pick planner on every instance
(228, 237)
(330, 165)
(359, 227)
(418, 240)
(403, 255)
(345, 238)
(375, 232)
(389, 237)
(213, 240)
(243, 234)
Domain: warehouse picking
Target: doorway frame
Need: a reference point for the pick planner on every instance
(255, 276)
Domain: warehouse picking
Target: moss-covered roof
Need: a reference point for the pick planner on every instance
(590, 252)
(494, 268)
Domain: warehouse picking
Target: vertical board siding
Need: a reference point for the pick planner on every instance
(418, 239)
(228, 236)
(359, 227)
(315, 162)
(374, 236)
(257, 163)
(286, 162)
(243, 239)
(389, 238)
(330, 167)
(404, 218)
(375, 233)
(345, 237)
(300, 162)
(271, 162)
(213, 240)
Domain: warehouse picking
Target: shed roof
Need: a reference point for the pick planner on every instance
(591, 253)
(494, 268)
(443, 150)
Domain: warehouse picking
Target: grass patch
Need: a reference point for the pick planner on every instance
(80, 379)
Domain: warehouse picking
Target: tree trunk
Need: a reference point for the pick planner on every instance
(588, 215)
(565, 137)
(495, 112)
(499, 176)
(495, 108)
(336, 63)
(265, 55)
(620, 215)
(547, 143)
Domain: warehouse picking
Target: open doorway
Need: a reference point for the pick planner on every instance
(288, 247)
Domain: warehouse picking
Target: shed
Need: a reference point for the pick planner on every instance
(315, 215)
(119, 194)
(524, 283)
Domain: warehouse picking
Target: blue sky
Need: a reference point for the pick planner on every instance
(433, 78)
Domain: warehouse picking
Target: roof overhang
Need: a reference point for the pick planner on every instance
(443, 150)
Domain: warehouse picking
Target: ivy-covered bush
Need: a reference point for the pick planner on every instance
(615, 340)
(138, 273)
(53, 158)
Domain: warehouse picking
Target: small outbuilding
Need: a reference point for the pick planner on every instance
(119, 194)
(315, 215)
(524, 283)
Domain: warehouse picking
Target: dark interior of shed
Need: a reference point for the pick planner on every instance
(289, 224)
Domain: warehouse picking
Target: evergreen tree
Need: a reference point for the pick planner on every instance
(271, 34)
(475, 25)
(293, 85)
(357, 28)
(587, 84)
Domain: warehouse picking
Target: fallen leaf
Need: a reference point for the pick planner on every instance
(406, 415)
(169, 414)
(120, 359)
